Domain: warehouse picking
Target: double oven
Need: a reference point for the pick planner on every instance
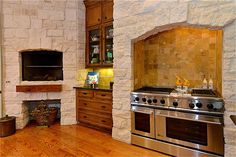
(178, 132)
(194, 131)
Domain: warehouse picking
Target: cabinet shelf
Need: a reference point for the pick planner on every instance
(94, 42)
(109, 38)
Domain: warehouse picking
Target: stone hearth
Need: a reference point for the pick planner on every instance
(136, 20)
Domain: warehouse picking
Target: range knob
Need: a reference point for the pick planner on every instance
(136, 98)
(144, 99)
(175, 104)
(199, 105)
(154, 100)
(162, 101)
(210, 106)
(191, 105)
(149, 101)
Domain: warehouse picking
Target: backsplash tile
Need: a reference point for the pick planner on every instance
(190, 53)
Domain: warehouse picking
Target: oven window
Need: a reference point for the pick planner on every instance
(142, 122)
(186, 130)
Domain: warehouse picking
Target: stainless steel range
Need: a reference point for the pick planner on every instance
(178, 124)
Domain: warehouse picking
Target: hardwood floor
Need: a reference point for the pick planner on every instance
(68, 141)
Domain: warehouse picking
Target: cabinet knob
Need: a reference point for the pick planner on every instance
(85, 93)
(98, 19)
(85, 116)
(85, 104)
(103, 95)
(103, 121)
(103, 106)
(105, 17)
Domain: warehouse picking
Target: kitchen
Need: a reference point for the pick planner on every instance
(134, 22)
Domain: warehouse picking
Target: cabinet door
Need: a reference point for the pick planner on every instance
(93, 15)
(93, 50)
(108, 44)
(107, 11)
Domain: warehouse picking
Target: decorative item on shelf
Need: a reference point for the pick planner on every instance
(94, 60)
(204, 82)
(93, 79)
(109, 56)
(186, 84)
(95, 49)
(210, 84)
(95, 38)
(178, 83)
(44, 115)
(110, 33)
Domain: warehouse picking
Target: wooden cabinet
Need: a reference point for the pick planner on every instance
(93, 15)
(99, 33)
(94, 109)
(107, 10)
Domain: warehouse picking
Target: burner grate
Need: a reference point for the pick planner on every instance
(203, 92)
(155, 90)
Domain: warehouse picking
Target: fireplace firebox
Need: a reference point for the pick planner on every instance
(42, 65)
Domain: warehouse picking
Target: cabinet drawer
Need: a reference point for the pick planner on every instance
(85, 93)
(95, 106)
(103, 95)
(92, 119)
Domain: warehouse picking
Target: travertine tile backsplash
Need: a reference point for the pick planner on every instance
(191, 53)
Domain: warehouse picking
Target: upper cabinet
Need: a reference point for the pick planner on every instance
(99, 33)
(107, 10)
(93, 15)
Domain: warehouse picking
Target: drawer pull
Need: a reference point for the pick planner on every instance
(103, 94)
(103, 121)
(85, 104)
(85, 93)
(103, 106)
(85, 116)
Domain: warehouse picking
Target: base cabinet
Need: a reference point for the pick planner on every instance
(94, 109)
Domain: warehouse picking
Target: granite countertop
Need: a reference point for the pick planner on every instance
(103, 88)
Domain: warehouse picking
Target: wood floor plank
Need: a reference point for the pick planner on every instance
(68, 141)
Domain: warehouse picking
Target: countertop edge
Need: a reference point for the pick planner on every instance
(88, 88)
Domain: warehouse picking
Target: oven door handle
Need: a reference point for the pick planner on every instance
(189, 116)
(142, 110)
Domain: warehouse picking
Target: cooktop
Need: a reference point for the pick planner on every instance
(159, 90)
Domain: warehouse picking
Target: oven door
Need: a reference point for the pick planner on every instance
(192, 130)
(142, 121)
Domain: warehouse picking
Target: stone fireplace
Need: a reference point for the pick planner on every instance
(138, 20)
(57, 27)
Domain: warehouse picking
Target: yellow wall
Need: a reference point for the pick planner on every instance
(191, 53)
(106, 76)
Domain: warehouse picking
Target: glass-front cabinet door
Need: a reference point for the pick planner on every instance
(93, 47)
(108, 44)
(99, 49)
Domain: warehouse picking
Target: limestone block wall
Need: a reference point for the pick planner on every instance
(136, 20)
(49, 24)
